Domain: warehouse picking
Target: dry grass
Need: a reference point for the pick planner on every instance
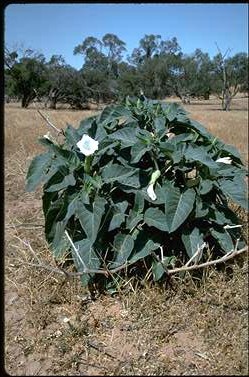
(196, 328)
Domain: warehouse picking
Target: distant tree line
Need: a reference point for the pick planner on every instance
(156, 67)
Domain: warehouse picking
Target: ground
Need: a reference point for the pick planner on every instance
(195, 327)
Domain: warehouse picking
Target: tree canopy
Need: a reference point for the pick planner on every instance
(157, 67)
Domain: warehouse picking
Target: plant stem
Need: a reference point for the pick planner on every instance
(87, 164)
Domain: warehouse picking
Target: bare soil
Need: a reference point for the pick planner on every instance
(52, 327)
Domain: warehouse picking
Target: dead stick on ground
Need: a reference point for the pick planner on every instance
(226, 257)
(48, 122)
(100, 349)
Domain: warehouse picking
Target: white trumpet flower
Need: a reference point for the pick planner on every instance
(150, 188)
(151, 192)
(47, 136)
(87, 145)
(225, 160)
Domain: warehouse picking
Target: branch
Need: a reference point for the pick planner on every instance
(49, 123)
(226, 257)
(107, 272)
(196, 254)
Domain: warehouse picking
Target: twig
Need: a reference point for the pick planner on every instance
(97, 348)
(49, 123)
(226, 257)
(24, 225)
(194, 257)
(107, 272)
(85, 269)
(232, 226)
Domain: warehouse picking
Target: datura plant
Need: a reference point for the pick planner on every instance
(138, 185)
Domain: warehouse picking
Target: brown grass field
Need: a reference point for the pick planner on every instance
(196, 327)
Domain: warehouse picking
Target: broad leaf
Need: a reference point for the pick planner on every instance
(127, 135)
(115, 172)
(118, 216)
(192, 240)
(199, 154)
(123, 246)
(38, 170)
(155, 217)
(224, 239)
(158, 270)
(90, 217)
(235, 189)
(68, 180)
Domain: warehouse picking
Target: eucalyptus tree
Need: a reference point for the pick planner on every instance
(26, 76)
(229, 75)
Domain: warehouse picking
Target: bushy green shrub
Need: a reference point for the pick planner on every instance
(150, 190)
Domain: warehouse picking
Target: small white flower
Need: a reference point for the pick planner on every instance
(87, 145)
(225, 160)
(151, 192)
(150, 189)
(47, 136)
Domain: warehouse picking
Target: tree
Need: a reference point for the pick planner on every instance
(203, 74)
(129, 80)
(27, 76)
(229, 75)
(59, 76)
(149, 45)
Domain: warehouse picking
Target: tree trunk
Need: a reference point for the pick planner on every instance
(52, 103)
(226, 101)
(25, 101)
(206, 96)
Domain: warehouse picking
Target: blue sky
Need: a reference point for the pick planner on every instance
(58, 28)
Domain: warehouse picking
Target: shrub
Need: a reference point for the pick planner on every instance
(138, 185)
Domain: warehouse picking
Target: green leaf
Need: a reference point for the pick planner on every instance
(201, 129)
(139, 202)
(72, 136)
(90, 216)
(38, 170)
(160, 127)
(181, 138)
(115, 172)
(199, 154)
(123, 245)
(119, 215)
(67, 157)
(112, 113)
(85, 125)
(85, 256)
(230, 149)
(205, 186)
(155, 217)
(192, 240)
(224, 239)
(235, 189)
(126, 135)
(133, 219)
(142, 249)
(171, 110)
(68, 180)
(71, 205)
(201, 208)
(157, 270)
(178, 206)
(137, 151)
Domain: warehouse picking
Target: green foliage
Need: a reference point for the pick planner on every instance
(109, 212)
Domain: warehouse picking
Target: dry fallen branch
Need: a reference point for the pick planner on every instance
(24, 225)
(226, 257)
(107, 272)
(49, 123)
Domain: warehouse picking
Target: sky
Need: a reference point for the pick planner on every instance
(55, 29)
